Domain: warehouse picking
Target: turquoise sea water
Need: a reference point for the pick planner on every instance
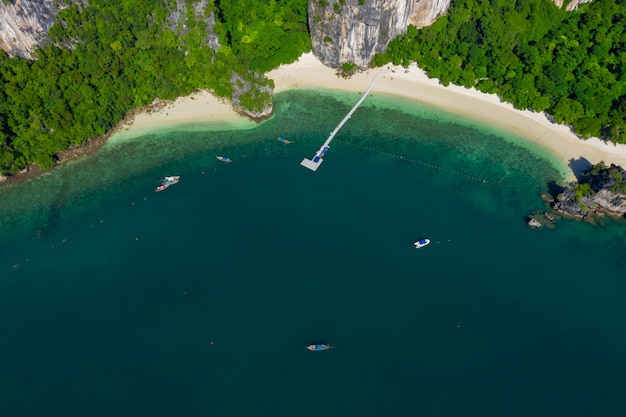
(200, 300)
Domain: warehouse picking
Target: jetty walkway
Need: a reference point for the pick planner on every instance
(314, 164)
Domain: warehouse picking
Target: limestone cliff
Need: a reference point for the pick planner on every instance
(353, 31)
(252, 92)
(427, 11)
(572, 5)
(24, 24)
(180, 12)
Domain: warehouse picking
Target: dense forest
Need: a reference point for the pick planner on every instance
(532, 54)
(115, 55)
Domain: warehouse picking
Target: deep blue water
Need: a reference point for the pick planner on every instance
(200, 300)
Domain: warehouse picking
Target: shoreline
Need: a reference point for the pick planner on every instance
(199, 106)
(412, 83)
(409, 83)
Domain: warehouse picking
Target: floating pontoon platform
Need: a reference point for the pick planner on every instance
(314, 164)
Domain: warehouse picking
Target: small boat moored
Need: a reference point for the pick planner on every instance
(319, 346)
(282, 139)
(421, 243)
(224, 159)
(167, 181)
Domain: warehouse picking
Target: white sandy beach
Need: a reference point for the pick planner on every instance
(412, 83)
(198, 107)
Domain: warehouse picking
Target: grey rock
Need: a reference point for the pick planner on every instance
(252, 98)
(606, 195)
(177, 17)
(573, 5)
(25, 23)
(351, 32)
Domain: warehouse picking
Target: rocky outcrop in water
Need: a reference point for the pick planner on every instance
(353, 31)
(600, 189)
(252, 98)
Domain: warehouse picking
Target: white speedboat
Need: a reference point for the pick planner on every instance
(421, 243)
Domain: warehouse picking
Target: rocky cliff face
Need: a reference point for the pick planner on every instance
(179, 14)
(573, 5)
(353, 31)
(425, 12)
(252, 93)
(24, 24)
(600, 188)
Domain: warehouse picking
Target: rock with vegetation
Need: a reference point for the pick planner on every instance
(24, 24)
(253, 98)
(252, 92)
(353, 31)
(600, 189)
(572, 5)
(100, 59)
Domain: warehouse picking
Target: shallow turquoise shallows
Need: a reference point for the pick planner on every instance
(200, 300)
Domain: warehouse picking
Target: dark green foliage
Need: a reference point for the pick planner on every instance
(581, 191)
(599, 177)
(348, 67)
(124, 55)
(618, 188)
(255, 99)
(533, 54)
(263, 35)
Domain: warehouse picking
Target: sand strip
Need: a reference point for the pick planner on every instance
(414, 84)
(198, 107)
(411, 83)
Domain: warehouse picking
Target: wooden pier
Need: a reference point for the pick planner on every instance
(314, 163)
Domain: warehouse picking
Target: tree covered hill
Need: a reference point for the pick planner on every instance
(110, 56)
(114, 55)
(532, 54)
